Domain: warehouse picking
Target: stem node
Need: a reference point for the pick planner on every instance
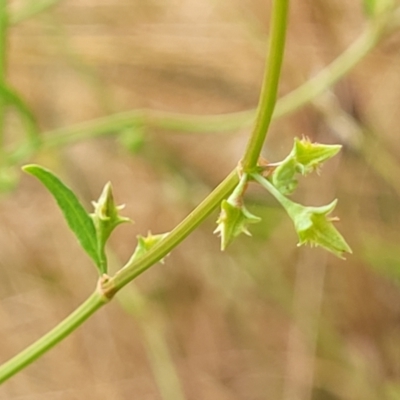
(105, 288)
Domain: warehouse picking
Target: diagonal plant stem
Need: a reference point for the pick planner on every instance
(109, 286)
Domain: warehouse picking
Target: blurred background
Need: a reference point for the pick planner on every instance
(263, 320)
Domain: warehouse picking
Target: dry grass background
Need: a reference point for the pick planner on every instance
(265, 319)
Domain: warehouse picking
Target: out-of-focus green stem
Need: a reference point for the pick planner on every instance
(3, 61)
(300, 96)
(334, 71)
(12, 98)
(269, 88)
(32, 8)
(148, 118)
(165, 373)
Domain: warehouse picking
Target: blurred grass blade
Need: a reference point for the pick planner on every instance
(33, 8)
(374, 8)
(3, 63)
(12, 98)
(76, 216)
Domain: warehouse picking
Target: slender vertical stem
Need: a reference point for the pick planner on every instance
(270, 83)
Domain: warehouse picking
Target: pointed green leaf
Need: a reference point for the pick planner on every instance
(76, 216)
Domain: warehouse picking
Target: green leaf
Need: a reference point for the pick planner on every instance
(312, 224)
(106, 218)
(76, 216)
(304, 158)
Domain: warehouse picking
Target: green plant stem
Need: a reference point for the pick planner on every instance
(46, 342)
(269, 88)
(265, 183)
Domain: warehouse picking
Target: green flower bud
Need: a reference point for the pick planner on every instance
(304, 158)
(106, 218)
(145, 244)
(315, 227)
(232, 221)
(312, 224)
(309, 156)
